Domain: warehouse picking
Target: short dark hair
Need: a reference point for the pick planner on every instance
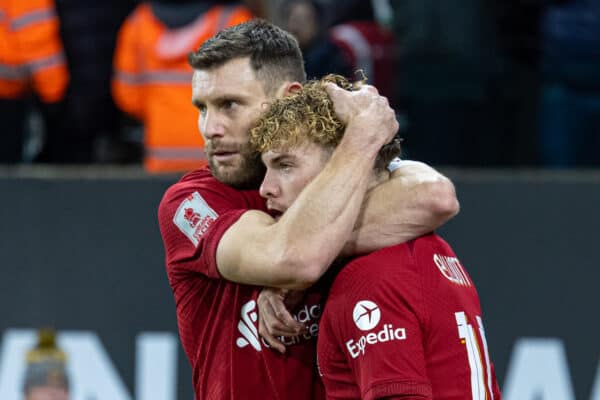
(274, 53)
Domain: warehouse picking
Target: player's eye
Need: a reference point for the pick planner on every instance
(286, 166)
(229, 104)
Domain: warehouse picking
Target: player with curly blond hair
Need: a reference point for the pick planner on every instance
(401, 322)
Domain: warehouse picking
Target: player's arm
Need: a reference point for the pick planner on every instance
(296, 250)
(416, 200)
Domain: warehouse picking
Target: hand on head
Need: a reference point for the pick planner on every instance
(368, 113)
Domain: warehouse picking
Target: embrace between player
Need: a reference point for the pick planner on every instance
(223, 244)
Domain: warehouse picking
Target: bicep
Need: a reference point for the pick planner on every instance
(248, 252)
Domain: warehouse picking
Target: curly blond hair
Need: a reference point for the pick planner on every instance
(308, 115)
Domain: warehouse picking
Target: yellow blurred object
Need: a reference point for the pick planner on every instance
(46, 348)
(46, 364)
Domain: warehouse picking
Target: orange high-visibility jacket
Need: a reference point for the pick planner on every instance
(152, 82)
(31, 51)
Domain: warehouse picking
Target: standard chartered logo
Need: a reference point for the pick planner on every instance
(247, 327)
(366, 316)
(309, 316)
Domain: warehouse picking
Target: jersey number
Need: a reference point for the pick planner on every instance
(477, 352)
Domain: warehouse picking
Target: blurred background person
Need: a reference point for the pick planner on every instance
(33, 72)
(90, 128)
(360, 29)
(46, 375)
(152, 77)
(305, 19)
(570, 103)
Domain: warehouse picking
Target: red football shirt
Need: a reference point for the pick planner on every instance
(217, 318)
(405, 321)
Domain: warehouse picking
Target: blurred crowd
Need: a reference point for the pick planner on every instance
(482, 83)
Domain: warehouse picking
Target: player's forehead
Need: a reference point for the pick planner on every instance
(273, 156)
(233, 78)
(304, 151)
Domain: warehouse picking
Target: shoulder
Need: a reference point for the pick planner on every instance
(392, 266)
(202, 188)
(196, 193)
(438, 261)
(199, 199)
(372, 265)
(428, 250)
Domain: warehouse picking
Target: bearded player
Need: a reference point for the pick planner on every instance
(222, 245)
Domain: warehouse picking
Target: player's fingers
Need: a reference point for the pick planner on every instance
(285, 317)
(276, 328)
(272, 325)
(369, 88)
(271, 340)
(275, 344)
(333, 90)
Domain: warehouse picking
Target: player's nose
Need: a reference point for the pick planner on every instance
(269, 188)
(211, 126)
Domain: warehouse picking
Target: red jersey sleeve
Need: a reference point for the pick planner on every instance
(376, 320)
(192, 220)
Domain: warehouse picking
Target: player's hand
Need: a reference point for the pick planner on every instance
(369, 119)
(274, 319)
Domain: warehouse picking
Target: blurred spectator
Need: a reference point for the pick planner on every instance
(90, 124)
(32, 62)
(152, 76)
(46, 375)
(447, 62)
(367, 43)
(570, 106)
(304, 19)
(370, 48)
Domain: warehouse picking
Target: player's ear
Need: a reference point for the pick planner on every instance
(290, 88)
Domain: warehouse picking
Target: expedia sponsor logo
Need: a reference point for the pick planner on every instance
(308, 315)
(366, 315)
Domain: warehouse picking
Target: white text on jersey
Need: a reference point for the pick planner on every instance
(388, 333)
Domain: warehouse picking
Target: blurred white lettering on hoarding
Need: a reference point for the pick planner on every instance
(538, 369)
